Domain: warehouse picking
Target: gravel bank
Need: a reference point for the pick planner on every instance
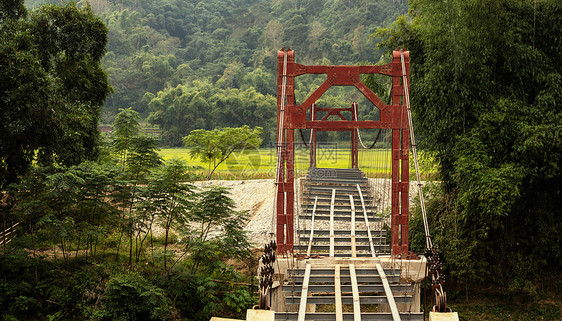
(254, 196)
(257, 196)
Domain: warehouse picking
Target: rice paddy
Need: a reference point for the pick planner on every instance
(261, 163)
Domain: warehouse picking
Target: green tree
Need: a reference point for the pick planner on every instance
(125, 127)
(170, 198)
(137, 152)
(12, 10)
(235, 107)
(215, 146)
(214, 210)
(486, 94)
(261, 81)
(52, 86)
(144, 154)
(181, 109)
(231, 77)
(137, 155)
(66, 207)
(149, 40)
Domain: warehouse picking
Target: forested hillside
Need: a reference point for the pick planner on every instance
(202, 64)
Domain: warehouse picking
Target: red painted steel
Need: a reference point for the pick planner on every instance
(354, 138)
(392, 117)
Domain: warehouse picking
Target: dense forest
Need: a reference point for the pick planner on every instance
(186, 65)
(487, 96)
(83, 209)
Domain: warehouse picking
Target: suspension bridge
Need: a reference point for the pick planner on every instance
(341, 234)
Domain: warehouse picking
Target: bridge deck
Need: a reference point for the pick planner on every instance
(339, 224)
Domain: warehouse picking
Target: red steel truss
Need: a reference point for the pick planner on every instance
(291, 116)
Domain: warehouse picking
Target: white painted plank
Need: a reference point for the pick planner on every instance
(332, 240)
(353, 247)
(304, 293)
(389, 296)
(312, 228)
(366, 221)
(337, 288)
(355, 291)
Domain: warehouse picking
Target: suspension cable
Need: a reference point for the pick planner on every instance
(359, 134)
(437, 278)
(313, 118)
(307, 145)
(302, 138)
(279, 140)
(428, 242)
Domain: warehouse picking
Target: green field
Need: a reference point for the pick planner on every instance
(261, 163)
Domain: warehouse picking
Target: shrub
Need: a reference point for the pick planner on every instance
(200, 296)
(130, 297)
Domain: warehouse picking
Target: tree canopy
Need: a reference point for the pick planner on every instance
(53, 87)
(215, 146)
(486, 96)
(156, 46)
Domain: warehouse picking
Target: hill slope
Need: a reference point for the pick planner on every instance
(211, 63)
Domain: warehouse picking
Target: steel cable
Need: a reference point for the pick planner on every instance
(279, 142)
(359, 134)
(437, 279)
(428, 241)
